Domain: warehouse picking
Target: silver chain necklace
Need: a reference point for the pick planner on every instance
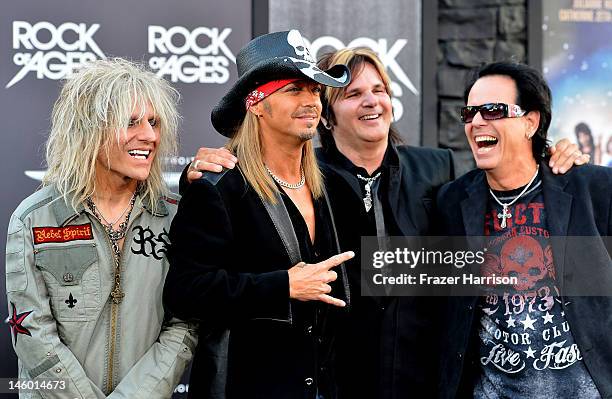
(108, 226)
(114, 237)
(367, 200)
(283, 183)
(505, 214)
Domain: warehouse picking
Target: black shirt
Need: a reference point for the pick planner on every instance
(367, 221)
(311, 252)
(359, 343)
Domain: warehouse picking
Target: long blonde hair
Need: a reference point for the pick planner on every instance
(248, 147)
(94, 107)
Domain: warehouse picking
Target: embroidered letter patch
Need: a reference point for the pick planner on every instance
(62, 234)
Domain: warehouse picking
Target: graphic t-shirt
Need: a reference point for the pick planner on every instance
(526, 345)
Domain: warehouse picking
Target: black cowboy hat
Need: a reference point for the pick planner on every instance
(273, 56)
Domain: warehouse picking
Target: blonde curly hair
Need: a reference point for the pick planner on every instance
(94, 107)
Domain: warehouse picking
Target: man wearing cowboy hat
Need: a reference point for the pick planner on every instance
(253, 247)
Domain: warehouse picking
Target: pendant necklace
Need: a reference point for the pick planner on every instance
(505, 213)
(367, 200)
(114, 237)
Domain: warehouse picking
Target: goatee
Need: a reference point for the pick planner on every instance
(305, 136)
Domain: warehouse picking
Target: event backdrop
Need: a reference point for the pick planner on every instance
(191, 43)
(577, 63)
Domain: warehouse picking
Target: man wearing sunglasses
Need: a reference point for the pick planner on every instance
(548, 333)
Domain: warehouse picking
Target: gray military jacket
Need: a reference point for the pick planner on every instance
(59, 275)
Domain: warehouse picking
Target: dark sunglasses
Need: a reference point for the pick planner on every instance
(491, 111)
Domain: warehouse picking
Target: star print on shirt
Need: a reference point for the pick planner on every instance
(530, 352)
(528, 323)
(15, 323)
(548, 318)
(510, 322)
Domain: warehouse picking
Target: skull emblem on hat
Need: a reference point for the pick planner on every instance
(295, 39)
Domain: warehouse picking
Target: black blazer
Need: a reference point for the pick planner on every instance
(228, 270)
(578, 203)
(403, 364)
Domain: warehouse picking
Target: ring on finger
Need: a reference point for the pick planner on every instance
(195, 164)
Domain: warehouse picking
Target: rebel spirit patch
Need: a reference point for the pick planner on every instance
(62, 234)
(15, 323)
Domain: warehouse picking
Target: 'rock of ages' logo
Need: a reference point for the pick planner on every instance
(50, 51)
(200, 55)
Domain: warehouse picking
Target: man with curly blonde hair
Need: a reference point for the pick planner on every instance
(86, 252)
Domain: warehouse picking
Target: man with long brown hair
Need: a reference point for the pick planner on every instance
(253, 247)
(388, 189)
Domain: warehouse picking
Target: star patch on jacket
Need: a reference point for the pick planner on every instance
(15, 323)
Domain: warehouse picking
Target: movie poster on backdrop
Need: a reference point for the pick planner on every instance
(392, 28)
(577, 63)
(192, 44)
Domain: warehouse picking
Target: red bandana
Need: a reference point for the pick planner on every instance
(265, 90)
